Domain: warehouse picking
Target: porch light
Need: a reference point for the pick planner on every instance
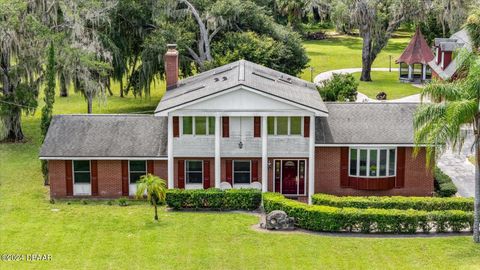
(240, 145)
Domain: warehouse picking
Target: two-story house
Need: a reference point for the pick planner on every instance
(240, 125)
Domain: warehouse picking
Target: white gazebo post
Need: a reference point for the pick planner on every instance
(410, 72)
(311, 160)
(217, 151)
(264, 155)
(424, 72)
(170, 170)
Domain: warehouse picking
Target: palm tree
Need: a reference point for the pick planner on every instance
(440, 124)
(154, 188)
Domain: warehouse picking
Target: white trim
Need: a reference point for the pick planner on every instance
(300, 106)
(233, 171)
(311, 161)
(170, 153)
(103, 158)
(264, 133)
(369, 145)
(185, 172)
(368, 162)
(217, 151)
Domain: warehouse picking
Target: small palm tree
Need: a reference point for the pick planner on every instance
(154, 188)
(440, 124)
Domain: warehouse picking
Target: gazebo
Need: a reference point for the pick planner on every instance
(414, 60)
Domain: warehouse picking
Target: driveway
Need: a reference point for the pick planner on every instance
(456, 165)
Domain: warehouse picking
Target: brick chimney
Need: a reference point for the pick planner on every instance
(171, 66)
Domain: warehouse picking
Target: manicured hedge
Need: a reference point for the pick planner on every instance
(396, 202)
(233, 199)
(333, 219)
(444, 186)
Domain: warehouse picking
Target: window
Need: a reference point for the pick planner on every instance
(137, 169)
(81, 171)
(284, 125)
(194, 171)
(372, 162)
(198, 125)
(241, 172)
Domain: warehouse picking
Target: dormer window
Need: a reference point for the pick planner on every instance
(198, 125)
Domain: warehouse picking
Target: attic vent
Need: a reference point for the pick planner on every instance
(216, 79)
(224, 78)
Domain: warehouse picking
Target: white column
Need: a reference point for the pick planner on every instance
(217, 151)
(264, 155)
(170, 183)
(424, 72)
(410, 72)
(311, 161)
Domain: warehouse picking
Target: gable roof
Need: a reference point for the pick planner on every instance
(366, 123)
(243, 73)
(417, 51)
(112, 136)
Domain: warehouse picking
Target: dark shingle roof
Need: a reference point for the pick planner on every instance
(366, 123)
(244, 73)
(106, 136)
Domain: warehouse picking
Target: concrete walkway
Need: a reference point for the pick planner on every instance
(362, 97)
(456, 165)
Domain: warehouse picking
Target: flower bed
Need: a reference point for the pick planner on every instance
(334, 219)
(233, 199)
(396, 202)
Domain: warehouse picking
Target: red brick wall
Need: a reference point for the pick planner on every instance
(109, 177)
(418, 179)
(56, 176)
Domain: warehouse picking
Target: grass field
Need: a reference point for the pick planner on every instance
(101, 236)
(386, 82)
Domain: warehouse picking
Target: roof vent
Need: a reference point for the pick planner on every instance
(224, 78)
(216, 79)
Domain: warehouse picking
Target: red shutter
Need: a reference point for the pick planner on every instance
(344, 167)
(176, 127)
(124, 177)
(68, 177)
(150, 169)
(181, 173)
(228, 170)
(225, 126)
(256, 126)
(206, 174)
(255, 170)
(94, 169)
(400, 179)
(306, 126)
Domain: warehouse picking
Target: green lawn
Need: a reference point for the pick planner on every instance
(101, 236)
(340, 51)
(386, 82)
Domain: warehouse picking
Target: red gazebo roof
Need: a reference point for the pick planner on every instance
(417, 51)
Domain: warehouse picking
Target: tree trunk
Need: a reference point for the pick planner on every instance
(476, 221)
(129, 78)
(107, 84)
(121, 87)
(366, 59)
(89, 105)
(63, 86)
(156, 214)
(13, 126)
(316, 15)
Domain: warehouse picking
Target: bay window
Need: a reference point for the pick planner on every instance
(198, 125)
(372, 162)
(284, 125)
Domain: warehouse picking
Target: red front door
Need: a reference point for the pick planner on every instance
(290, 177)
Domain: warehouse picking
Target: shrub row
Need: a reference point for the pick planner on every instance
(233, 199)
(333, 219)
(444, 186)
(396, 202)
